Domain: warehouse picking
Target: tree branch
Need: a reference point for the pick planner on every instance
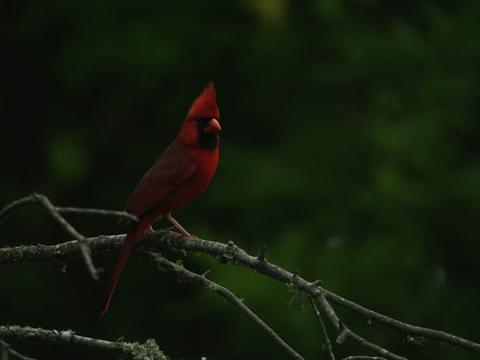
(55, 211)
(225, 253)
(45, 202)
(230, 253)
(345, 332)
(6, 350)
(328, 343)
(137, 351)
(226, 294)
(33, 199)
(82, 243)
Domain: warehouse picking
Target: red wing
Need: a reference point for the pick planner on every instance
(170, 170)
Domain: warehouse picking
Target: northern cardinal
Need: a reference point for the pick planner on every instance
(179, 175)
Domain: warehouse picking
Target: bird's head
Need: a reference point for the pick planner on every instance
(202, 127)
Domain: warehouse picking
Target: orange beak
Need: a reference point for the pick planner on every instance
(213, 126)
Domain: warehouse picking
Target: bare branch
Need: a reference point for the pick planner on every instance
(226, 294)
(345, 332)
(324, 329)
(225, 253)
(6, 350)
(82, 242)
(332, 315)
(55, 213)
(33, 199)
(161, 239)
(43, 200)
(102, 212)
(149, 350)
(16, 204)
(240, 257)
(262, 253)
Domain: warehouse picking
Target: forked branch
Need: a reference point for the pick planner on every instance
(225, 253)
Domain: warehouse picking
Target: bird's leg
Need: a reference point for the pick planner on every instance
(175, 223)
(150, 228)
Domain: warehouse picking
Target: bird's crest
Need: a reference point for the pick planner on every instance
(205, 105)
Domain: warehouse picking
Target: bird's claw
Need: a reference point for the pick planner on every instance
(181, 234)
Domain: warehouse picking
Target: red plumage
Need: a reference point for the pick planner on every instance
(179, 175)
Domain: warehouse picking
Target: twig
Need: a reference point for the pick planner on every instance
(45, 202)
(15, 204)
(6, 349)
(55, 211)
(226, 253)
(345, 332)
(262, 254)
(162, 239)
(149, 350)
(332, 315)
(240, 257)
(228, 295)
(88, 211)
(32, 199)
(324, 329)
(82, 241)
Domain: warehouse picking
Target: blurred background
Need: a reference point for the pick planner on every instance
(350, 147)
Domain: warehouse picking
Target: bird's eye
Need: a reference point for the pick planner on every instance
(202, 122)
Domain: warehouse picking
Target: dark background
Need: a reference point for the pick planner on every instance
(350, 147)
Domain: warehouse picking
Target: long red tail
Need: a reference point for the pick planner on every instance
(132, 237)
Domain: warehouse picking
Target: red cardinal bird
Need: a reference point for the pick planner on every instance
(180, 174)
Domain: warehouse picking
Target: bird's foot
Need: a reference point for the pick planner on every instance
(182, 231)
(150, 230)
(181, 234)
